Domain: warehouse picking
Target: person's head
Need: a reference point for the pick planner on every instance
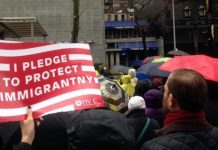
(101, 70)
(153, 98)
(157, 82)
(142, 86)
(185, 90)
(132, 73)
(107, 73)
(136, 103)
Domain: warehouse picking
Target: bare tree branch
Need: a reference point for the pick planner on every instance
(161, 12)
(142, 5)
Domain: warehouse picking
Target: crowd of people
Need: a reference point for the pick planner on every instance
(162, 114)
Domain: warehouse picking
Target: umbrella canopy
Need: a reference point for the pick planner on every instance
(135, 63)
(162, 59)
(178, 53)
(142, 76)
(150, 59)
(119, 68)
(114, 96)
(152, 69)
(203, 64)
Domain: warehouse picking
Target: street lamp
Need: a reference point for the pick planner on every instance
(187, 12)
(201, 11)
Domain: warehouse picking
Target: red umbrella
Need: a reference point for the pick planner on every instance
(203, 64)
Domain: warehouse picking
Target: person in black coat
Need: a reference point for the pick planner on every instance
(137, 119)
(83, 130)
(50, 134)
(185, 124)
(46, 135)
(99, 129)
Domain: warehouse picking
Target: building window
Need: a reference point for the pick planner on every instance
(111, 45)
(122, 17)
(130, 16)
(115, 17)
(116, 6)
(109, 34)
(108, 17)
(106, 7)
(124, 33)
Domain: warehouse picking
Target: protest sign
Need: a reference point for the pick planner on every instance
(50, 77)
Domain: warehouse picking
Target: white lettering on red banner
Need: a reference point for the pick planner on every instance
(50, 77)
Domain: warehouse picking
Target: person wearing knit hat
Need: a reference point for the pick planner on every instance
(137, 119)
(153, 99)
(136, 102)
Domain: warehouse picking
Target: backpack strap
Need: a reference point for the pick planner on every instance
(143, 131)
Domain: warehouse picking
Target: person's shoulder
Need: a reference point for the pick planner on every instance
(173, 140)
(169, 141)
(213, 132)
(154, 124)
(159, 143)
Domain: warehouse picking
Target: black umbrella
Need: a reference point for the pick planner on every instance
(114, 96)
(152, 69)
(119, 68)
(178, 53)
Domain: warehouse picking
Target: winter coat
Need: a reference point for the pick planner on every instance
(137, 119)
(22, 146)
(185, 135)
(10, 135)
(128, 85)
(99, 129)
(50, 135)
(156, 113)
(212, 112)
(93, 129)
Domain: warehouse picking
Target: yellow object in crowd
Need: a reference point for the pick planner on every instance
(127, 85)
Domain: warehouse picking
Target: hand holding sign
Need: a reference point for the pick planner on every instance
(28, 128)
(49, 77)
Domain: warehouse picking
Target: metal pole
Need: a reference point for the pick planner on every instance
(174, 27)
(196, 38)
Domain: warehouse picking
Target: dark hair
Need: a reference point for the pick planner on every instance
(101, 70)
(142, 86)
(189, 88)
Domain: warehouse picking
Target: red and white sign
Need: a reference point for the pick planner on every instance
(48, 76)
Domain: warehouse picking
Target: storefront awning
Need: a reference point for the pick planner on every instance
(16, 27)
(123, 24)
(132, 45)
